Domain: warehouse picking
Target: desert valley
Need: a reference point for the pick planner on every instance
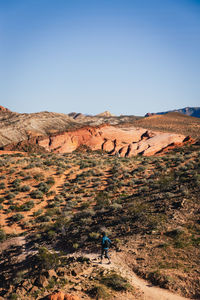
(66, 178)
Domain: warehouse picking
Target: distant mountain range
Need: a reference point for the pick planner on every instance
(189, 111)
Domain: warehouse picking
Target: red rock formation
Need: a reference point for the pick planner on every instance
(123, 141)
(120, 141)
(4, 109)
(62, 296)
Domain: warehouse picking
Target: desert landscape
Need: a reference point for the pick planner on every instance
(66, 178)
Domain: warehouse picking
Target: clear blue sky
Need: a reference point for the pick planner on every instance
(126, 56)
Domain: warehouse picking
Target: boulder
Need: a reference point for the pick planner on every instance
(57, 296)
(41, 281)
(71, 297)
(62, 296)
(51, 273)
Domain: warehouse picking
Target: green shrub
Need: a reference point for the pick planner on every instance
(2, 235)
(17, 218)
(25, 188)
(38, 212)
(43, 218)
(2, 199)
(14, 296)
(116, 282)
(99, 292)
(46, 260)
(38, 176)
(27, 206)
(50, 180)
(10, 196)
(36, 194)
(28, 177)
(43, 187)
(16, 182)
(2, 185)
(94, 235)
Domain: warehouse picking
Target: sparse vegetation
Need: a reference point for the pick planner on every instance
(149, 204)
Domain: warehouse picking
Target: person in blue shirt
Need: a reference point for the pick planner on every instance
(105, 245)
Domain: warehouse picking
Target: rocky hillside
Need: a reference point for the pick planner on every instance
(124, 135)
(53, 208)
(123, 141)
(189, 111)
(172, 122)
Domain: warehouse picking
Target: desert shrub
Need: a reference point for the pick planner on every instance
(17, 217)
(38, 212)
(43, 187)
(2, 235)
(2, 185)
(85, 205)
(102, 200)
(52, 212)
(116, 282)
(75, 246)
(10, 196)
(16, 182)
(11, 171)
(169, 195)
(38, 176)
(43, 218)
(59, 198)
(28, 177)
(30, 166)
(85, 221)
(51, 234)
(59, 171)
(25, 188)
(50, 180)
(2, 199)
(143, 189)
(36, 194)
(46, 260)
(116, 206)
(98, 292)
(22, 173)
(13, 207)
(94, 235)
(14, 296)
(27, 206)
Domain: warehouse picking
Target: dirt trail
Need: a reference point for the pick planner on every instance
(149, 291)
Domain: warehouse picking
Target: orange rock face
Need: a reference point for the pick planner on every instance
(62, 296)
(124, 141)
(4, 109)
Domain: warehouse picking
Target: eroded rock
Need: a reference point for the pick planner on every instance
(62, 296)
(125, 141)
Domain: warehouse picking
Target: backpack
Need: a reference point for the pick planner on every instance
(106, 243)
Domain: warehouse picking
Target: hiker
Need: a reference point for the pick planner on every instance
(105, 244)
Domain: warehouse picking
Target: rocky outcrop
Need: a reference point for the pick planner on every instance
(189, 111)
(124, 141)
(62, 296)
(4, 109)
(105, 114)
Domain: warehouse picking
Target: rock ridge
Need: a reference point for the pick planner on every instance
(123, 141)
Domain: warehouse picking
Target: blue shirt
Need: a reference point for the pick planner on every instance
(104, 239)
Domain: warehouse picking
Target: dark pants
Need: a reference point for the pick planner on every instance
(104, 252)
